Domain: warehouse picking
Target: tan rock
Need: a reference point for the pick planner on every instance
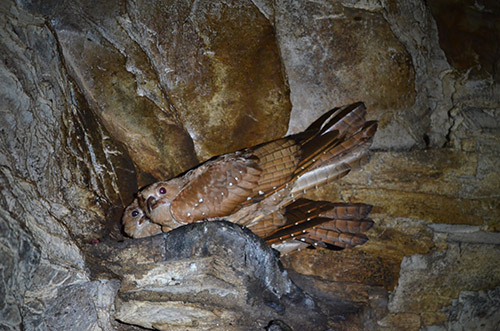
(401, 322)
(433, 318)
(335, 55)
(221, 71)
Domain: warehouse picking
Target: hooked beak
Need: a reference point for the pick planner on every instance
(150, 204)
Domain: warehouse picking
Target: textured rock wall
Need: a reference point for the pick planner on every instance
(58, 183)
(98, 99)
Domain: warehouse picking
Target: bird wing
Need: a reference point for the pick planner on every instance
(331, 147)
(225, 184)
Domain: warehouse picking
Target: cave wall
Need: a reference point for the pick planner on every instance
(98, 99)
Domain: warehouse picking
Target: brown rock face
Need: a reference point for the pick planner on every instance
(175, 98)
(221, 72)
(100, 98)
(219, 64)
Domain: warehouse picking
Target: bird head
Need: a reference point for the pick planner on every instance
(156, 198)
(137, 224)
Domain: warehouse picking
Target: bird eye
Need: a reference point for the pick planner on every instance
(135, 213)
(162, 190)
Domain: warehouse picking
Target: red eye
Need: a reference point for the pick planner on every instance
(162, 190)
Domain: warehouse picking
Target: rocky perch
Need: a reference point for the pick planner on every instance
(209, 275)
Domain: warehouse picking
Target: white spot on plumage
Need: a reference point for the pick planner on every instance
(222, 193)
(201, 200)
(230, 184)
(189, 214)
(296, 223)
(249, 198)
(236, 178)
(261, 192)
(292, 235)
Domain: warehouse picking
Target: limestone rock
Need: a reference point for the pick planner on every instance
(468, 34)
(462, 267)
(475, 309)
(215, 85)
(335, 55)
(211, 275)
(221, 69)
(57, 178)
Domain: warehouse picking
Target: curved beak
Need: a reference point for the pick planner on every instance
(150, 204)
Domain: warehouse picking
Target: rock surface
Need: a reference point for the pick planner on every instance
(204, 276)
(98, 99)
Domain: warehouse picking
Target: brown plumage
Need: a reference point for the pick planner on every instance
(137, 224)
(258, 187)
(319, 223)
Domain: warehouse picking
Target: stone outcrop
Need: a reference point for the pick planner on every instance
(204, 276)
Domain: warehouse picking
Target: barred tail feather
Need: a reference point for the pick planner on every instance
(323, 223)
(319, 237)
